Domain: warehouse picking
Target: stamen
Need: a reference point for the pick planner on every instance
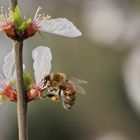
(9, 13)
(48, 16)
(1, 90)
(2, 83)
(25, 17)
(1, 10)
(5, 15)
(39, 17)
(36, 14)
(1, 77)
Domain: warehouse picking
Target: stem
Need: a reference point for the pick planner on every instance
(13, 4)
(21, 98)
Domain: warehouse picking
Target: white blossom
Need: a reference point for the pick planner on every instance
(58, 26)
(42, 62)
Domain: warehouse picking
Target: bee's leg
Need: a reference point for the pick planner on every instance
(59, 93)
(41, 96)
(52, 97)
(51, 91)
(48, 94)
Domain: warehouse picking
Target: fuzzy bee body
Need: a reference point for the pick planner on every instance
(59, 86)
(69, 96)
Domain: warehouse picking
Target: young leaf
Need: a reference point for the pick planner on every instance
(27, 81)
(18, 21)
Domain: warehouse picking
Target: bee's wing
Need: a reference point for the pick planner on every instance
(79, 89)
(77, 82)
(59, 26)
(42, 62)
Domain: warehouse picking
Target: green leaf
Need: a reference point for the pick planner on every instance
(25, 24)
(28, 21)
(17, 17)
(20, 23)
(27, 81)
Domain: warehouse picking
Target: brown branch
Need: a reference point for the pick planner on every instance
(21, 98)
(13, 4)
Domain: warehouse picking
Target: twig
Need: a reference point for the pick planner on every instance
(13, 4)
(21, 98)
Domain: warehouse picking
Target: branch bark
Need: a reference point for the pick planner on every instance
(21, 96)
(13, 4)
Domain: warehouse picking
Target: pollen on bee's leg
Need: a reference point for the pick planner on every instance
(41, 96)
(54, 98)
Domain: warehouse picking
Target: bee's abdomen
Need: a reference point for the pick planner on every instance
(69, 100)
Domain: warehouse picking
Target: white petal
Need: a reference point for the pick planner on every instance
(13, 76)
(59, 26)
(2, 83)
(132, 78)
(8, 65)
(42, 62)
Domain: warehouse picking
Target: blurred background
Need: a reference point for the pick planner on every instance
(107, 55)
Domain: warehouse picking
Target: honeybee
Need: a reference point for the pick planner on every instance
(58, 85)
